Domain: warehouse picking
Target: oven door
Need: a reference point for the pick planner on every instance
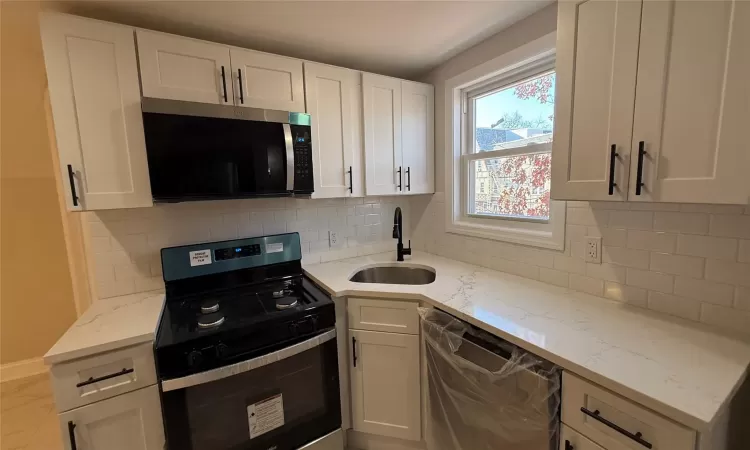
(282, 401)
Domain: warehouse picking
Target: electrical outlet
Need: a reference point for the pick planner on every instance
(333, 239)
(593, 250)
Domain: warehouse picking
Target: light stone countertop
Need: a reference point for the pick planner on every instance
(110, 324)
(683, 370)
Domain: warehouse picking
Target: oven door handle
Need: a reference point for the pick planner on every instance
(248, 365)
(289, 147)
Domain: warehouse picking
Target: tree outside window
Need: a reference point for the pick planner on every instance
(513, 127)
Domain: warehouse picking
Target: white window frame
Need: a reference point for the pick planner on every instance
(533, 58)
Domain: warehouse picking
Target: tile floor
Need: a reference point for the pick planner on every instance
(28, 420)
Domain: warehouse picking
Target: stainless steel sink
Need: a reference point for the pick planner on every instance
(394, 275)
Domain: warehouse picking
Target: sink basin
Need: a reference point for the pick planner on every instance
(394, 275)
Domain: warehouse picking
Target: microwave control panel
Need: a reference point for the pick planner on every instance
(303, 160)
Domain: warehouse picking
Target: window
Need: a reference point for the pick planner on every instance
(509, 133)
(501, 131)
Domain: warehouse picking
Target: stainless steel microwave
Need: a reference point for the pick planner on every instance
(199, 151)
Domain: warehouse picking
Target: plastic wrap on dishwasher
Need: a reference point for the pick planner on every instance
(485, 393)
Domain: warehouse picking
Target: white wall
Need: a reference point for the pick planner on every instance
(125, 244)
(691, 261)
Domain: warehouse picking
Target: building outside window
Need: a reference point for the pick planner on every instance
(511, 128)
(502, 118)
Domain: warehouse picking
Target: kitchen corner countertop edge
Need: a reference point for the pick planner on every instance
(683, 370)
(110, 324)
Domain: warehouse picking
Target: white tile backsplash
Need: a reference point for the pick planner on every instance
(125, 244)
(692, 261)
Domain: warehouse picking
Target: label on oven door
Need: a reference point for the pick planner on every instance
(265, 415)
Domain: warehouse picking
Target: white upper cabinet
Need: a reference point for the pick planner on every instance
(92, 73)
(692, 104)
(418, 135)
(382, 124)
(665, 83)
(179, 68)
(334, 101)
(131, 421)
(267, 81)
(399, 136)
(597, 54)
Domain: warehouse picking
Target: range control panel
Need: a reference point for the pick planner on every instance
(242, 251)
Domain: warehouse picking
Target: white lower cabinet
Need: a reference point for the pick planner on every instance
(570, 439)
(131, 421)
(617, 423)
(385, 384)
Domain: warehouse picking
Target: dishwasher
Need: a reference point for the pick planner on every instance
(486, 393)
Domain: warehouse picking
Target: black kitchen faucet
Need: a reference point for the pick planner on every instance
(398, 233)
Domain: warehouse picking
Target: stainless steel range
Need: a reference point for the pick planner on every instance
(246, 349)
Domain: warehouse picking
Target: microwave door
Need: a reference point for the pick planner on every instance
(264, 149)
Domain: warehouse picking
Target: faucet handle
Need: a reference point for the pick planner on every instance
(407, 251)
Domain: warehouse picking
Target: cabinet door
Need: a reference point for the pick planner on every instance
(691, 109)
(597, 56)
(418, 135)
(570, 439)
(267, 81)
(331, 93)
(385, 384)
(382, 118)
(96, 107)
(130, 421)
(179, 68)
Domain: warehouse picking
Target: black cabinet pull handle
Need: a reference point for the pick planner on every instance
(354, 351)
(239, 76)
(639, 175)
(399, 178)
(638, 437)
(93, 380)
(72, 435)
(612, 159)
(224, 84)
(351, 183)
(71, 178)
(568, 445)
(408, 178)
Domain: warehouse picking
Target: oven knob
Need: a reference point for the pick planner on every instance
(222, 350)
(194, 358)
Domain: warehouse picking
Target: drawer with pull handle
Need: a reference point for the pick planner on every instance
(91, 379)
(391, 316)
(570, 439)
(616, 423)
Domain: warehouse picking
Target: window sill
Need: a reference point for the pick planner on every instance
(544, 235)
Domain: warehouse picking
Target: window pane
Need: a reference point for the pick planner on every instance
(516, 116)
(513, 186)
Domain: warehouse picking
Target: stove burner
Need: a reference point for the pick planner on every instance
(281, 293)
(211, 320)
(286, 303)
(209, 306)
